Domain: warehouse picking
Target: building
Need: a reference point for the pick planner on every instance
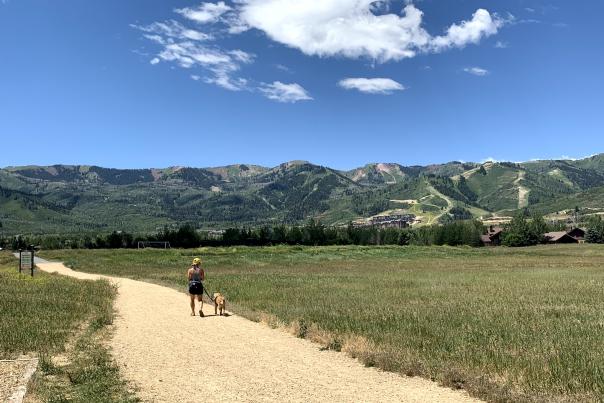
(559, 237)
(578, 234)
(389, 221)
(492, 237)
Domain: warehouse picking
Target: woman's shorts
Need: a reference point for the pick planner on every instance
(195, 288)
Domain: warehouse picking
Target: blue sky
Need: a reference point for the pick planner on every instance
(149, 83)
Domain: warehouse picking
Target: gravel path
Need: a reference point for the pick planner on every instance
(171, 356)
(11, 374)
(14, 376)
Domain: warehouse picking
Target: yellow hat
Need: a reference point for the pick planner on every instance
(197, 261)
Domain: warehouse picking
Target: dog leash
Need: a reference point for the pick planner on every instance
(206, 291)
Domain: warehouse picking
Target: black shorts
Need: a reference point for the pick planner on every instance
(195, 288)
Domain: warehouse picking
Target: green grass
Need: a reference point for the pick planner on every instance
(506, 324)
(41, 316)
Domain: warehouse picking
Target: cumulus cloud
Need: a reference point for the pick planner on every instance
(205, 13)
(288, 93)
(481, 25)
(350, 28)
(476, 71)
(371, 85)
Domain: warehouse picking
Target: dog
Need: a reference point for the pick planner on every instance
(219, 303)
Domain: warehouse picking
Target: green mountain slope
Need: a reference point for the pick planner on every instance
(64, 198)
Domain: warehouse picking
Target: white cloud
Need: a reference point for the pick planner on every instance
(162, 32)
(205, 13)
(477, 71)
(481, 25)
(350, 28)
(188, 48)
(501, 45)
(283, 68)
(242, 56)
(371, 85)
(281, 92)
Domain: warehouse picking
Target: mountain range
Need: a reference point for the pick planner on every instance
(90, 199)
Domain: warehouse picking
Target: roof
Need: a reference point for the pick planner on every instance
(495, 231)
(486, 239)
(575, 230)
(555, 236)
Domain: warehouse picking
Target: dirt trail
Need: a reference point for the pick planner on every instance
(173, 357)
(435, 192)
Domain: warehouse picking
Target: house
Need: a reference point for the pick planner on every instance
(578, 234)
(493, 236)
(486, 240)
(559, 237)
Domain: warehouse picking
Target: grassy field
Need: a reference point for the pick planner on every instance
(506, 324)
(51, 315)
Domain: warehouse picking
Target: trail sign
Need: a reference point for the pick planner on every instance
(26, 261)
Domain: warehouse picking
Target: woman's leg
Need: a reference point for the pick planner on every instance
(200, 299)
(192, 297)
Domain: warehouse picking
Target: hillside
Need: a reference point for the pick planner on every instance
(62, 198)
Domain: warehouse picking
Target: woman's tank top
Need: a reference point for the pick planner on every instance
(196, 275)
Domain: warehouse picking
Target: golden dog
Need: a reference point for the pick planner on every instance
(219, 303)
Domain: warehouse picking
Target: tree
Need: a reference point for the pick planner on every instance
(231, 236)
(314, 233)
(294, 236)
(279, 234)
(538, 227)
(521, 232)
(595, 231)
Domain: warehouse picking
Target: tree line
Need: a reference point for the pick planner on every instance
(523, 230)
(313, 233)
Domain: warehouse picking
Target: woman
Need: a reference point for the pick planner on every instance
(196, 275)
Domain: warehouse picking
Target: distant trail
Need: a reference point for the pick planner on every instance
(435, 192)
(523, 191)
(173, 357)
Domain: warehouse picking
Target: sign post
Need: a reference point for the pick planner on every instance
(26, 261)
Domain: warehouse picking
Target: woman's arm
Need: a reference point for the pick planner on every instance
(203, 274)
(189, 275)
